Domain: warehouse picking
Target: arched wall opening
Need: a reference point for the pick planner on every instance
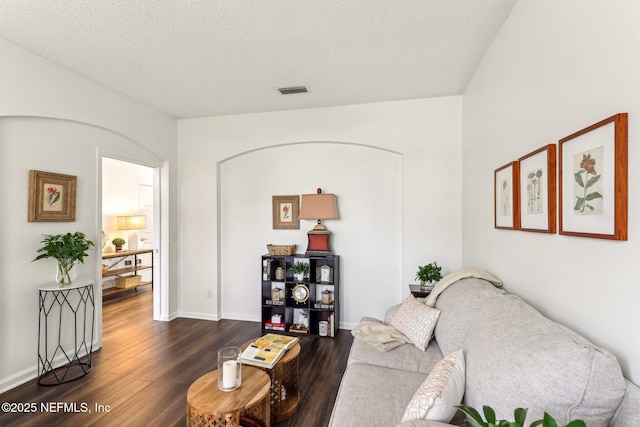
(368, 236)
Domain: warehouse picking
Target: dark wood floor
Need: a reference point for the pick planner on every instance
(145, 367)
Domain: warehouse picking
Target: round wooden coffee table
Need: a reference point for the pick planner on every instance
(209, 406)
(284, 396)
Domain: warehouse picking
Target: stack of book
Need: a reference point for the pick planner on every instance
(266, 351)
(274, 326)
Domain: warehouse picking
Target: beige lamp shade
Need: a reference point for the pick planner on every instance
(133, 222)
(319, 206)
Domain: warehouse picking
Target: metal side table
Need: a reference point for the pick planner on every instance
(65, 333)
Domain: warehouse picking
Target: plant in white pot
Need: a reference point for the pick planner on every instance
(300, 270)
(67, 249)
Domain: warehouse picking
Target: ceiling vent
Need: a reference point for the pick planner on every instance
(292, 89)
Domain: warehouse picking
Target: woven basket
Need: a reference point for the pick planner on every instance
(127, 282)
(285, 250)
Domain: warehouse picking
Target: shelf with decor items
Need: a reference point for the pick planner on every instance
(126, 275)
(307, 305)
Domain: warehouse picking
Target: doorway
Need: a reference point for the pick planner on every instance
(128, 213)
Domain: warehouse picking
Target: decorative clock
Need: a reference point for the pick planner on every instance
(300, 293)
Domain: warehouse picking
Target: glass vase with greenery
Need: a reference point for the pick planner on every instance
(67, 249)
(429, 273)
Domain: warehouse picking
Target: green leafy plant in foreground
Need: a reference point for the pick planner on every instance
(474, 419)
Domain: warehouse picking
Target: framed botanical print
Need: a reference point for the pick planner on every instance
(538, 190)
(285, 212)
(593, 180)
(505, 196)
(52, 197)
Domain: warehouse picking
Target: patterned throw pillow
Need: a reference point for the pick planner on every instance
(416, 320)
(437, 397)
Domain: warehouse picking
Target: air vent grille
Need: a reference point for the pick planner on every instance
(292, 89)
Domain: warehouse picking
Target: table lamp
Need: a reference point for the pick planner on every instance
(318, 207)
(132, 223)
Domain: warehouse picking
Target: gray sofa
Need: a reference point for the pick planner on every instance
(515, 357)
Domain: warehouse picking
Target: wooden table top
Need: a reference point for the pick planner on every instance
(205, 395)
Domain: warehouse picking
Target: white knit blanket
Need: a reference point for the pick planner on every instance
(379, 335)
(451, 278)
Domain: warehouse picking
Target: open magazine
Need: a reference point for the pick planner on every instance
(267, 350)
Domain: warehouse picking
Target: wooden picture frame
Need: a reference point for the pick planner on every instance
(505, 195)
(285, 212)
(52, 197)
(593, 180)
(538, 190)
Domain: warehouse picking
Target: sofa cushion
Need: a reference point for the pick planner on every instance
(373, 396)
(406, 357)
(416, 320)
(459, 307)
(438, 395)
(518, 358)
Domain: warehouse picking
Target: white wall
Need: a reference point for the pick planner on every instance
(555, 68)
(54, 120)
(415, 143)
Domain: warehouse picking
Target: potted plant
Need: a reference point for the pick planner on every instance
(300, 270)
(118, 242)
(67, 249)
(429, 273)
(474, 419)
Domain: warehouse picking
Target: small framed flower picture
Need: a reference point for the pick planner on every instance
(52, 197)
(593, 180)
(538, 190)
(285, 212)
(505, 195)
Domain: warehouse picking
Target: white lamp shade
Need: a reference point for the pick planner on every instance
(132, 222)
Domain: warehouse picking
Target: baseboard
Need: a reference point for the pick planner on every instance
(31, 372)
(199, 316)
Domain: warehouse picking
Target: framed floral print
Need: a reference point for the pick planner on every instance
(285, 212)
(538, 190)
(505, 195)
(52, 197)
(593, 180)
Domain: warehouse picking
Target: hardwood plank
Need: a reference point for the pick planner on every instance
(145, 367)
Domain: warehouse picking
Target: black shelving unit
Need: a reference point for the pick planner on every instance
(300, 316)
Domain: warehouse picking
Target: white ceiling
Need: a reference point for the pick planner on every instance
(196, 58)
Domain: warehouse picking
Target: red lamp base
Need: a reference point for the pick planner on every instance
(319, 243)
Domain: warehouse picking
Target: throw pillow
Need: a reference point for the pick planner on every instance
(437, 397)
(416, 320)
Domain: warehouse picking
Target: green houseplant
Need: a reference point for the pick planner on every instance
(474, 419)
(300, 269)
(67, 249)
(118, 242)
(428, 274)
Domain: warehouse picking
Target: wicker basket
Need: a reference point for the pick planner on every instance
(285, 250)
(127, 282)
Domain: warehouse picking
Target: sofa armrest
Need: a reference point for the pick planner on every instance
(424, 423)
(390, 313)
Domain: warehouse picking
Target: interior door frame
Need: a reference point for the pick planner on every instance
(160, 245)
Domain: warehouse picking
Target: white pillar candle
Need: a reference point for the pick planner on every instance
(229, 373)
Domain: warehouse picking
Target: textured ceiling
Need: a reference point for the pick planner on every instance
(195, 58)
